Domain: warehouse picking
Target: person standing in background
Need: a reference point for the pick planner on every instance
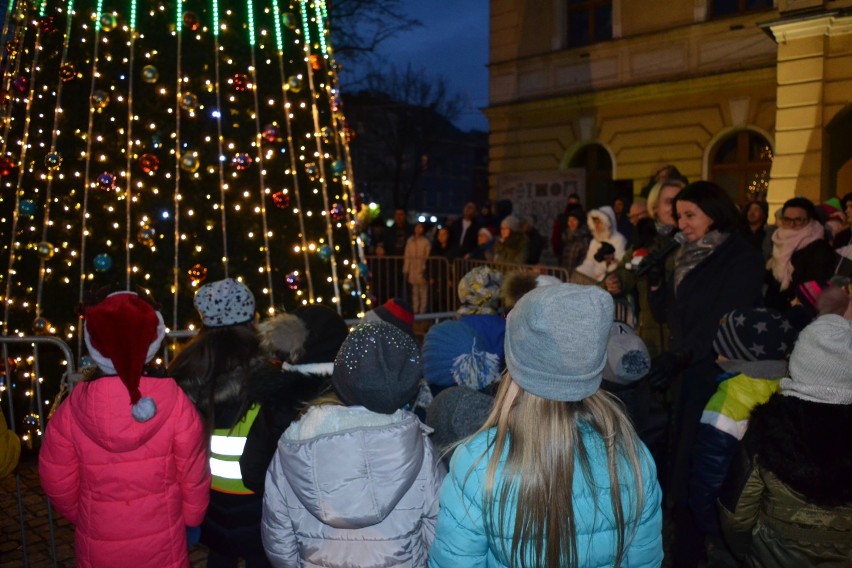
(414, 268)
(463, 231)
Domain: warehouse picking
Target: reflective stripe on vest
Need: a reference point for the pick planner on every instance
(226, 447)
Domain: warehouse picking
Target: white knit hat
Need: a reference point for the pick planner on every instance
(224, 302)
(821, 363)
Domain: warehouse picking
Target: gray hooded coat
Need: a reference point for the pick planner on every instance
(352, 488)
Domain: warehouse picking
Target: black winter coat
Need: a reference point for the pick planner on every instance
(283, 399)
(788, 498)
(730, 278)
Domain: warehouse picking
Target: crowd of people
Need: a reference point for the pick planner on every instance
(543, 425)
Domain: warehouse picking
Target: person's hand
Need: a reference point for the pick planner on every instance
(656, 278)
(613, 284)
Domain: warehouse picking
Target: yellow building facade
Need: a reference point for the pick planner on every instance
(753, 94)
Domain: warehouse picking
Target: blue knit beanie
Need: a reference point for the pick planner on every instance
(556, 340)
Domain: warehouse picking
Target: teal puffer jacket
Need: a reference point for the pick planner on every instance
(462, 539)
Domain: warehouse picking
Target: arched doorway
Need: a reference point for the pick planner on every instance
(838, 155)
(595, 159)
(740, 164)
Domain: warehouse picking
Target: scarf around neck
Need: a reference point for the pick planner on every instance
(691, 254)
(787, 241)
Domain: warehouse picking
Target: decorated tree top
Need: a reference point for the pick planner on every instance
(159, 144)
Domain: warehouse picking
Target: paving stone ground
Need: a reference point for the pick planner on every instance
(36, 523)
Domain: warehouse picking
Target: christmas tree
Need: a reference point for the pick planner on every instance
(162, 144)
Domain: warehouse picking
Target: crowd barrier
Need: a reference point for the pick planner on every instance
(29, 350)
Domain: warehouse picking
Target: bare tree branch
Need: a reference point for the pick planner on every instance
(358, 27)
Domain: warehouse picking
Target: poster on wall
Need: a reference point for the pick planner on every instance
(541, 196)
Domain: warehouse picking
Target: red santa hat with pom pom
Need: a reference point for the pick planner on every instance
(123, 333)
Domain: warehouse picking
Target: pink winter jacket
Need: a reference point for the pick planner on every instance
(130, 488)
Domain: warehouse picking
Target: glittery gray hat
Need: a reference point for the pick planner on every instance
(556, 340)
(377, 367)
(821, 362)
(224, 302)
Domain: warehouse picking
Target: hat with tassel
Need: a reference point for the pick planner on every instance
(122, 333)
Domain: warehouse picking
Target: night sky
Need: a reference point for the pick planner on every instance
(453, 43)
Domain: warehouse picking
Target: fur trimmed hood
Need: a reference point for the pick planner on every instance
(806, 445)
(607, 216)
(309, 334)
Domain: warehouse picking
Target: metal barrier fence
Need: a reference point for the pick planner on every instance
(35, 343)
(387, 280)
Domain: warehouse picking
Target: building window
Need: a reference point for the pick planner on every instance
(724, 8)
(740, 164)
(589, 21)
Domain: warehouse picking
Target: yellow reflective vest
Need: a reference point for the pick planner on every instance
(226, 447)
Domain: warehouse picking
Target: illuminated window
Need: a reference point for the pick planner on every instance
(740, 164)
(589, 21)
(723, 8)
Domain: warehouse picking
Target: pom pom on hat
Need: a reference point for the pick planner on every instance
(224, 302)
(627, 358)
(144, 410)
(123, 333)
(821, 362)
(556, 340)
(377, 367)
(456, 353)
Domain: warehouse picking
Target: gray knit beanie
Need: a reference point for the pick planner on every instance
(556, 338)
(821, 363)
(456, 413)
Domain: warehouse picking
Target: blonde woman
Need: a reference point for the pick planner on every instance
(556, 476)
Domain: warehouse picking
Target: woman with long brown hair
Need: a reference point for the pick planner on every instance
(556, 476)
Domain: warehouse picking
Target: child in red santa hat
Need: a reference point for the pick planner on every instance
(130, 471)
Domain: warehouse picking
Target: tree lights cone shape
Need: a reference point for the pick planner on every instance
(187, 113)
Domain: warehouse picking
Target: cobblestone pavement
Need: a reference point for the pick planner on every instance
(37, 526)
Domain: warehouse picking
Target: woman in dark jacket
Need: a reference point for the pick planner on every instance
(715, 272)
(800, 253)
(788, 500)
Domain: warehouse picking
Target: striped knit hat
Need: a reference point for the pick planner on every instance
(754, 334)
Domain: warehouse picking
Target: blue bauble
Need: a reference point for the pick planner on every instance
(324, 252)
(26, 207)
(338, 167)
(102, 262)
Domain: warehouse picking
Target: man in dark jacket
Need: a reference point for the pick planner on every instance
(463, 231)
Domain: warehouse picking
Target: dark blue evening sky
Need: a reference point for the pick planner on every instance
(452, 43)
